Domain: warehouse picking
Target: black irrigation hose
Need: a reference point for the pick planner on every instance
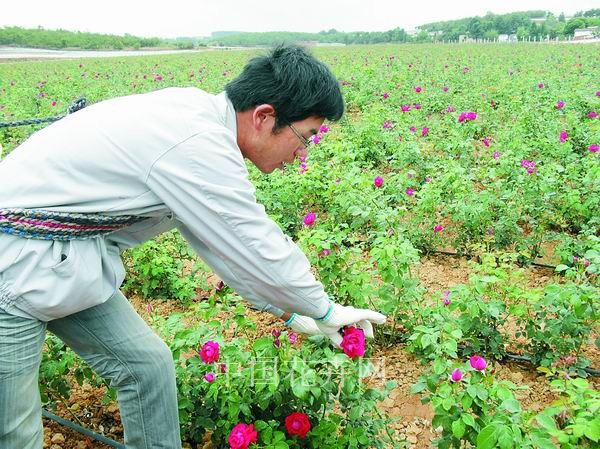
(93, 435)
(403, 338)
(471, 256)
(75, 106)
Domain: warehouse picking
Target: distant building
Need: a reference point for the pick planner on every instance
(463, 38)
(507, 38)
(413, 32)
(308, 43)
(586, 33)
(539, 20)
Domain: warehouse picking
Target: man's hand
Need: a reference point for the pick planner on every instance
(340, 316)
(303, 325)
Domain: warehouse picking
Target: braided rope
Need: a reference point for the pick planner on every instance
(75, 106)
(48, 225)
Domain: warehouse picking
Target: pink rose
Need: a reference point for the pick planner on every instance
(309, 219)
(563, 136)
(209, 377)
(210, 352)
(478, 363)
(353, 342)
(242, 436)
(378, 181)
(456, 375)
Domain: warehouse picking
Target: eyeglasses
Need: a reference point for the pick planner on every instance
(305, 142)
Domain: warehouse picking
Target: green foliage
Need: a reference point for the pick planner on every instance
(261, 383)
(58, 365)
(479, 411)
(41, 38)
(165, 267)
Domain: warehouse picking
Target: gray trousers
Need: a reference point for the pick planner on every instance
(118, 345)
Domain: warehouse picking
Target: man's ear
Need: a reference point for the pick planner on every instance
(263, 115)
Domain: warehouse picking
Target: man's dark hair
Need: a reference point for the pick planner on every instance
(293, 81)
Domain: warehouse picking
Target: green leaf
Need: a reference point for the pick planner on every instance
(355, 413)
(487, 437)
(468, 419)
(546, 422)
(593, 430)
(511, 405)
(458, 428)
(262, 344)
(541, 442)
(467, 401)
(505, 439)
(562, 267)
(447, 403)
(300, 390)
(417, 388)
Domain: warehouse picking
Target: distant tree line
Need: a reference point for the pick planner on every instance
(59, 39)
(488, 27)
(330, 36)
(519, 23)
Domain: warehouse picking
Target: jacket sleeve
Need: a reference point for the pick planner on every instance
(204, 181)
(221, 268)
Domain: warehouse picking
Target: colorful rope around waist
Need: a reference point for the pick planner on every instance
(47, 225)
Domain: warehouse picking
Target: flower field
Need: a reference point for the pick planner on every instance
(459, 195)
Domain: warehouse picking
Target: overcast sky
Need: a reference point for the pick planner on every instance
(172, 18)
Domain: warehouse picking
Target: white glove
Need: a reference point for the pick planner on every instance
(340, 316)
(303, 325)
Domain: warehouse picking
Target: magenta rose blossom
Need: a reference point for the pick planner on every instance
(593, 114)
(292, 337)
(438, 228)
(378, 181)
(456, 375)
(209, 377)
(563, 136)
(353, 342)
(447, 298)
(309, 219)
(560, 104)
(242, 436)
(210, 352)
(410, 191)
(593, 148)
(478, 363)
